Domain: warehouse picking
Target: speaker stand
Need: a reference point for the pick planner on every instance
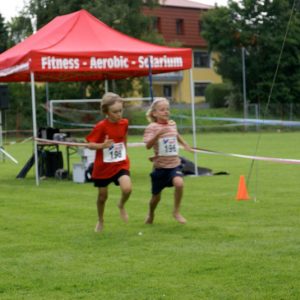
(8, 155)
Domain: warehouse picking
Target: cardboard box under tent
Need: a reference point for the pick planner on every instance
(82, 171)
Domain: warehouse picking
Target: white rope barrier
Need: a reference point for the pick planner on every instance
(197, 150)
(252, 157)
(65, 143)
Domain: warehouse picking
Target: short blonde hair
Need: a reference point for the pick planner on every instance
(109, 99)
(149, 113)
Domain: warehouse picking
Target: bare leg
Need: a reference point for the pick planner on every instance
(152, 206)
(102, 197)
(178, 185)
(125, 185)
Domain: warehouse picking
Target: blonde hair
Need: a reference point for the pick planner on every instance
(149, 113)
(109, 99)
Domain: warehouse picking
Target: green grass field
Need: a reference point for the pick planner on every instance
(228, 249)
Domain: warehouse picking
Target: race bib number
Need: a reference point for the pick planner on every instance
(168, 146)
(116, 152)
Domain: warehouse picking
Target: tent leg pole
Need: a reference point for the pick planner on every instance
(47, 103)
(193, 120)
(150, 79)
(51, 113)
(36, 159)
(106, 85)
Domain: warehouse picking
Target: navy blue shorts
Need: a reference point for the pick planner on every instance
(115, 179)
(162, 178)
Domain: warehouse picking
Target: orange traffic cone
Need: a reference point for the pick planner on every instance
(242, 193)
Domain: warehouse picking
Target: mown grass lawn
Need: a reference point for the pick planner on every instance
(228, 249)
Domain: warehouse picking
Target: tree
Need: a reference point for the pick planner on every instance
(3, 35)
(19, 112)
(20, 28)
(123, 15)
(259, 27)
(126, 16)
(43, 11)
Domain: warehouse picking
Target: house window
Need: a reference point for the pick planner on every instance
(199, 88)
(200, 26)
(167, 91)
(201, 59)
(156, 23)
(179, 27)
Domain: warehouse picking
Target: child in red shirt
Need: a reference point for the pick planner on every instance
(109, 138)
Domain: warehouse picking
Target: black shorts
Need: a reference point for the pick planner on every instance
(162, 178)
(115, 179)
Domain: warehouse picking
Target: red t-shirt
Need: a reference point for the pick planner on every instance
(118, 133)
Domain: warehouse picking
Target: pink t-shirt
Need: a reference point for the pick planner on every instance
(163, 158)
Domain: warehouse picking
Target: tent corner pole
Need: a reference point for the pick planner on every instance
(106, 85)
(47, 103)
(150, 79)
(34, 127)
(193, 120)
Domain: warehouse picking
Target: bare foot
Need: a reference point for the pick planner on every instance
(149, 219)
(179, 218)
(123, 214)
(99, 226)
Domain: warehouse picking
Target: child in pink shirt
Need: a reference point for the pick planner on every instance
(161, 135)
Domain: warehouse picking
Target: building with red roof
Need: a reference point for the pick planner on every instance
(179, 22)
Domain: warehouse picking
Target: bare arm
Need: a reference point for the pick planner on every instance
(96, 146)
(152, 141)
(185, 145)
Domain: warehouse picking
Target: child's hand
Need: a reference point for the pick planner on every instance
(187, 148)
(107, 142)
(184, 144)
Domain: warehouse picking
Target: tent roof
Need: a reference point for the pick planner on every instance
(79, 47)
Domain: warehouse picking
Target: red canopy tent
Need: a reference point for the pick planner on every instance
(79, 47)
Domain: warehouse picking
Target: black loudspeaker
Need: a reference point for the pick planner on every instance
(3, 97)
(52, 161)
(47, 133)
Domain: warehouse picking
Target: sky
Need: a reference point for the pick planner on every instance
(10, 8)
